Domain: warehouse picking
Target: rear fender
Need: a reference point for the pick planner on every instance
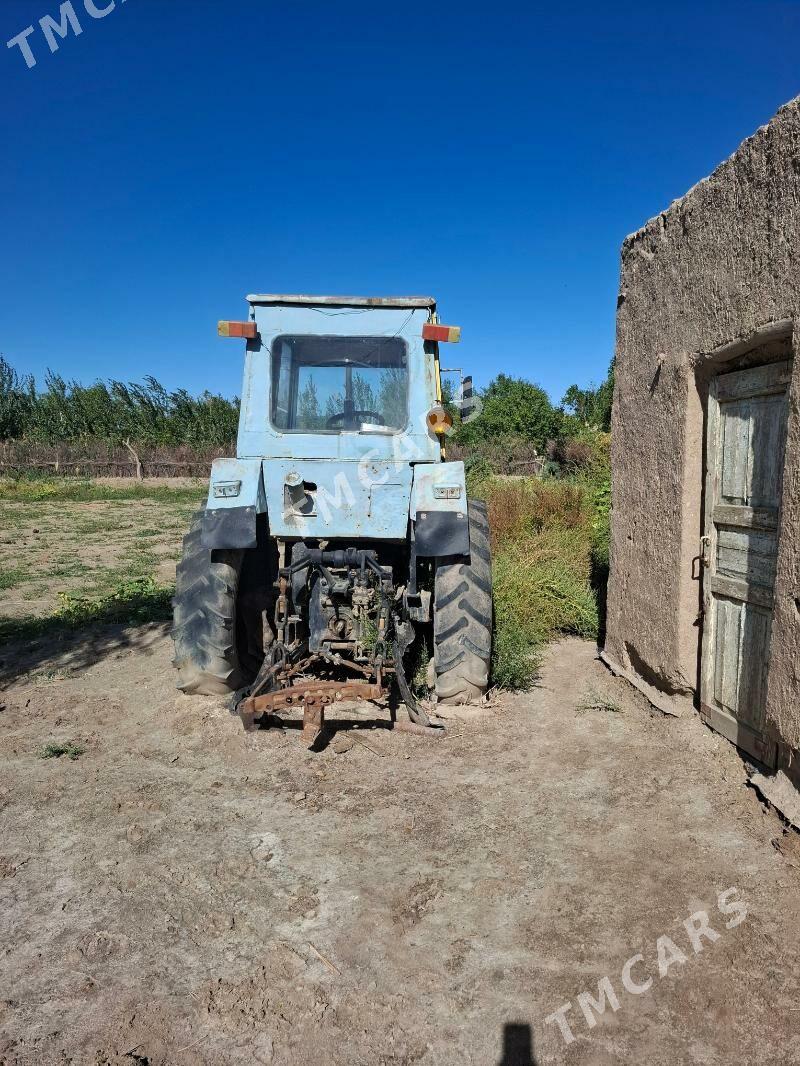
(235, 498)
(439, 509)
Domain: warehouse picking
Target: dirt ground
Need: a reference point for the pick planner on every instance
(186, 893)
(85, 547)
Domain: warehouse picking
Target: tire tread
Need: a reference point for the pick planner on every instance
(204, 617)
(462, 618)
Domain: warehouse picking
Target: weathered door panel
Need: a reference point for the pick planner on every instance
(747, 413)
(746, 555)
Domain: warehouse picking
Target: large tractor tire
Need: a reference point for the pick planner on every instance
(217, 614)
(462, 617)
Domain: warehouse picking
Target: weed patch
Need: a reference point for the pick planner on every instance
(543, 545)
(55, 751)
(595, 700)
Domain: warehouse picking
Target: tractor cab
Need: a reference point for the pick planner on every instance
(332, 379)
(341, 417)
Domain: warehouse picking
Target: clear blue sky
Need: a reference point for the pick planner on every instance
(176, 156)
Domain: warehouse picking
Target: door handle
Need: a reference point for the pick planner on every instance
(705, 543)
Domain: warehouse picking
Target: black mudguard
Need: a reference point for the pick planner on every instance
(441, 533)
(230, 527)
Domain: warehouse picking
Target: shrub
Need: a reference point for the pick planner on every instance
(505, 453)
(541, 588)
(585, 453)
(519, 507)
(133, 602)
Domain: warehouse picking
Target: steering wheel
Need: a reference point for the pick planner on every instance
(355, 416)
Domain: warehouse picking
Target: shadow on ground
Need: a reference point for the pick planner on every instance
(83, 631)
(68, 650)
(517, 1045)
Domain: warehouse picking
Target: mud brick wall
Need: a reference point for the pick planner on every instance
(710, 284)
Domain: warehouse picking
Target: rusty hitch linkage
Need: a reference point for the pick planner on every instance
(312, 696)
(273, 688)
(315, 696)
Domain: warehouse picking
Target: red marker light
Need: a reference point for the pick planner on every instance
(237, 329)
(433, 332)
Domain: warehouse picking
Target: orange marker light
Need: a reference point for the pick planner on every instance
(237, 329)
(439, 421)
(432, 332)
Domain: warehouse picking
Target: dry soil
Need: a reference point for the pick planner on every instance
(187, 893)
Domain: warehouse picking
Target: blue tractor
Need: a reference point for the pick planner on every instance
(340, 535)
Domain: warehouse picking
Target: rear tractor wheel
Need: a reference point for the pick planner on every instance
(462, 617)
(218, 622)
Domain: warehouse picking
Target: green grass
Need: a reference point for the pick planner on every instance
(11, 576)
(88, 554)
(417, 669)
(140, 560)
(82, 490)
(55, 750)
(550, 558)
(36, 591)
(541, 588)
(595, 700)
(110, 525)
(68, 568)
(14, 515)
(133, 602)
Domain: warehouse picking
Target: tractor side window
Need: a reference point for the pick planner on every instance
(335, 384)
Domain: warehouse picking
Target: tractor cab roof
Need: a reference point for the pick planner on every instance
(302, 300)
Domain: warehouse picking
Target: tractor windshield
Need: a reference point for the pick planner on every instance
(335, 384)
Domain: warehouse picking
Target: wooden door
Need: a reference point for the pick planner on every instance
(747, 413)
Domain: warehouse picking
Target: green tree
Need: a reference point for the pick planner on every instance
(112, 411)
(513, 407)
(450, 400)
(591, 406)
(17, 401)
(363, 396)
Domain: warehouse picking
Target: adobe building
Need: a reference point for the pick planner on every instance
(704, 594)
